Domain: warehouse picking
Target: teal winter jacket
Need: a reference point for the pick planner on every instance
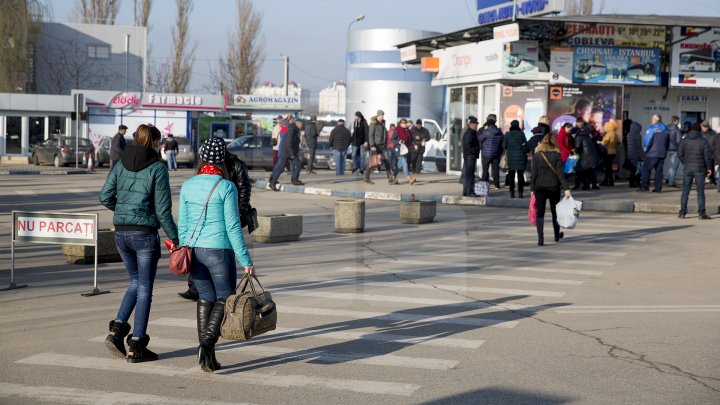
(219, 227)
(137, 190)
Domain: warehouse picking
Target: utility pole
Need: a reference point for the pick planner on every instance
(287, 74)
(127, 60)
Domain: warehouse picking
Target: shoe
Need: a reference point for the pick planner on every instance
(114, 341)
(520, 195)
(209, 336)
(274, 187)
(559, 236)
(512, 194)
(190, 294)
(368, 182)
(298, 183)
(411, 180)
(656, 191)
(472, 195)
(681, 215)
(138, 351)
(392, 180)
(595, 187)
(642, 190)
(703, 217)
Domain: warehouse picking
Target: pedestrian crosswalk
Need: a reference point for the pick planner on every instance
(419, 312)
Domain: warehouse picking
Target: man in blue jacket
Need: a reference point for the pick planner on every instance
(491, 146)
(655, 126)
(656, 151)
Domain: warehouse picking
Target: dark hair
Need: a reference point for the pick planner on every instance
(489, 122)
(580, 120)
(582, 104)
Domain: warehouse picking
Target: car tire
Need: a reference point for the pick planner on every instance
(56, 161)
(99, 162)
(36, 160)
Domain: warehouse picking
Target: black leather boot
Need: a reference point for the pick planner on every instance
(558, 235)
(138, 351)
(539, 224)
(204, 308)
(206, 351)
(114, 341)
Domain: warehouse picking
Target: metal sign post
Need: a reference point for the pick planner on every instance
(54, 228)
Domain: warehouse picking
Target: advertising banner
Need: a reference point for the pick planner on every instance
(594, 104)
(490, 11)
(629, 66)
(695, 57)
(561, 64)
(520, 60)
(648, 36)
(465, 62)
(266, 102)
(525, 103)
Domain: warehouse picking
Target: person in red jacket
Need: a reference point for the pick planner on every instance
(565, 142)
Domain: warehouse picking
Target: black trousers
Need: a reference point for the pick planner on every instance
(609, 175)
(417, 159)
(468, 175)
(311, 161)
(542, 196)
(511, 180)
(586, 176)
(649, 165)
(495, 164)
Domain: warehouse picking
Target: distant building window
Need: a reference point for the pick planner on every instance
(403, 103)
(99, 52)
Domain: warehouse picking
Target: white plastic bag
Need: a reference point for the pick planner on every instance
(482, 188)
(568, 212)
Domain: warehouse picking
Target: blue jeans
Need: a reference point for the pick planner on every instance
(214, 273)
(283, 160)
(402, 163)
(358, 153)
(699, 178)
(674, 165)
(649, 165)
(140, 252)
(391, 155)
(171, 159)
(339, 158)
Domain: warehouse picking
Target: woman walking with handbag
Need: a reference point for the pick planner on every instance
(545, 183)
(138, 191)
(209, 202)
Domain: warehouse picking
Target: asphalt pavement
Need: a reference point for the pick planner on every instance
(467, 309)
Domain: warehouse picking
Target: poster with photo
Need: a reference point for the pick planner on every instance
(613, 65)
(695, 57)
(596, 105)
(525, 103)
(520, 60)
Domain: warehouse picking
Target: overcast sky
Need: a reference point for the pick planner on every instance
(313, 32)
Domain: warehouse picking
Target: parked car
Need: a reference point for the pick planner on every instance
(61, 151)
(255, 150)
(323, 155)
(185, 155)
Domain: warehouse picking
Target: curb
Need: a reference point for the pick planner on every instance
(46, 172)
(588, 205)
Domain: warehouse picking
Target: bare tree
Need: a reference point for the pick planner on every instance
(97, 11)
(239, 70)
(158, 77)
(144, 15)
(183, 58)
(19, 30)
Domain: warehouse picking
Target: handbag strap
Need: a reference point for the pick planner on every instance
(548, 163)
(204, 207)
(244, 281)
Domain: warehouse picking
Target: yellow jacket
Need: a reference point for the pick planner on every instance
(610, 138)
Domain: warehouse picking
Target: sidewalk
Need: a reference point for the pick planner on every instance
(446, 189)
(8, 169)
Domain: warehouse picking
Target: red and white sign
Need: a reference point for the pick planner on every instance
(507, 32)
(48, 227)
(125, 100)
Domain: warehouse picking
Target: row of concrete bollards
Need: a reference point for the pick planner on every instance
(350, 214)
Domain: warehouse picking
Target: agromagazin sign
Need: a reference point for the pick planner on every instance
(490, 11)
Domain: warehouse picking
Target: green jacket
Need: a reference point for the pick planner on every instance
(138, 191)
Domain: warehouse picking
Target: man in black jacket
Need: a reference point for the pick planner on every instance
(695, 154)
(289, 152)
(359, 142)
(471, 153)
(338, 143)
(420, 136)
(311, 135)
(117, 147)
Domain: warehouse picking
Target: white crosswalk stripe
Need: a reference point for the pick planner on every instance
(618, 309)
(475, 246)
(319, 355)
(25, 192)
(477, 276)
(244, 377)
(471, 266)
(477, 256)
(333, 334)
(65, 395)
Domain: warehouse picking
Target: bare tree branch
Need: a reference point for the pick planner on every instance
(19, 31)
(97, 11)
(144, 16)
(239, 70)
(69, 67)
(183, 59)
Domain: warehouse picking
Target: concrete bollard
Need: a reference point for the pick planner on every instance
(349, 216)
(107, 251)
(278, 228)
(417, 212)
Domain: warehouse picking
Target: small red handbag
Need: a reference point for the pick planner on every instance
(181, 257)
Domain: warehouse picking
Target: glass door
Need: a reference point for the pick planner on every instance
(13, 137)
(455, 127)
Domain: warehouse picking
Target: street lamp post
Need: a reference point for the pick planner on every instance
(347, 55)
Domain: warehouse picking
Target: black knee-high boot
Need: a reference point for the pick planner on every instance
(556, 228)
(206, 351)
(204, 308)
(539, 224)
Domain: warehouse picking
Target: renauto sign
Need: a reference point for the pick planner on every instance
(490, 11)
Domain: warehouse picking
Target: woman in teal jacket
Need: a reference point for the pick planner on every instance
(217, 240)
(138, 191)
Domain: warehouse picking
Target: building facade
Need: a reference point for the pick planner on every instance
(377, 79)
(331, 99)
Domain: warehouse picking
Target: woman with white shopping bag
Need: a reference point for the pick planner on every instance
(545, 183)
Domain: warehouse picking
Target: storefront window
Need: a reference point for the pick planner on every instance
(455, 126)
(489, 105)
(13, 140)
(471, 102)
(37, 131)
(57, 126)
(403, 103)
